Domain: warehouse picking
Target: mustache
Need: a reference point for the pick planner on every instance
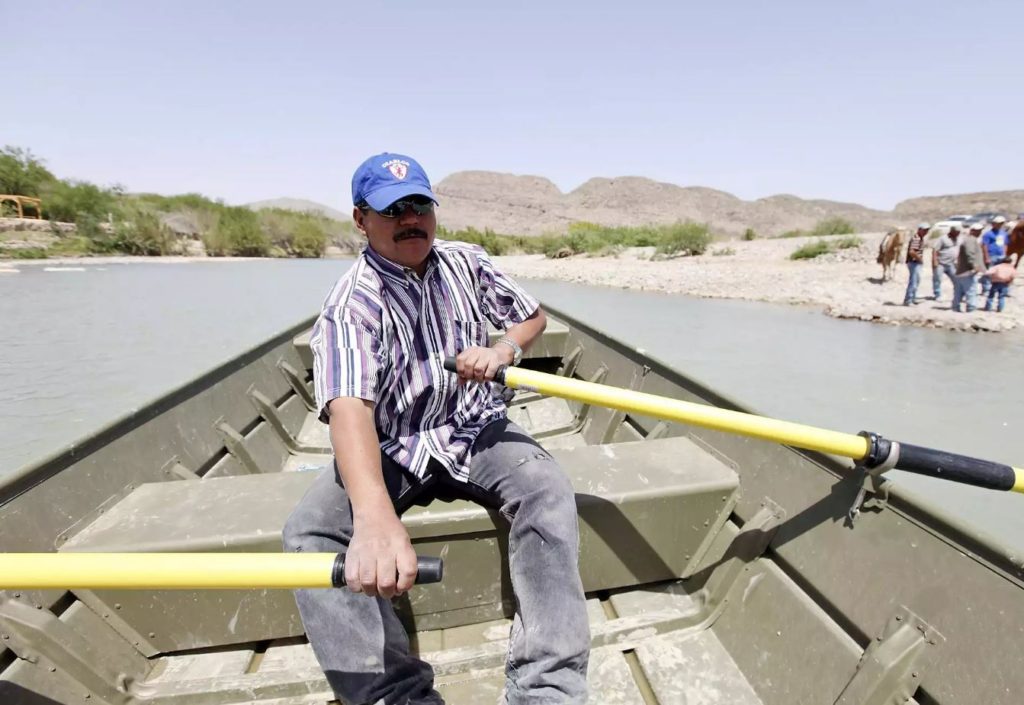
(410, 233)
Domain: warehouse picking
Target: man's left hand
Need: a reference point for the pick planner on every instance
(478, 364)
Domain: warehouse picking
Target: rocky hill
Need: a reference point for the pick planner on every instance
(931, 208)
(532, 205)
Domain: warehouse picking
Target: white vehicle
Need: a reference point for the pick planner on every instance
(953, 220)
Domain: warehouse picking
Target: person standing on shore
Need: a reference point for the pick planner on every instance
(993, 245)
(944, 259)
(915, 260)
(405, 431)
(1002, 276)
(969, 264)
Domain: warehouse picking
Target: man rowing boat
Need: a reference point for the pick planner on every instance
(404, 431)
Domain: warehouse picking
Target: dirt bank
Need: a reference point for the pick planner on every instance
(846, 284)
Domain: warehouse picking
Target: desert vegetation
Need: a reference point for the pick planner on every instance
(108, 220)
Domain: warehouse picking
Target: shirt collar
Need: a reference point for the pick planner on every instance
(394, 271)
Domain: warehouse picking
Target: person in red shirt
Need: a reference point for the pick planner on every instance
(1001, 276)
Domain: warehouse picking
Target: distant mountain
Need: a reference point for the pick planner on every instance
(532, 205)
(301, 204)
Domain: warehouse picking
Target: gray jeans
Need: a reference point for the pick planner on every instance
(359, 641)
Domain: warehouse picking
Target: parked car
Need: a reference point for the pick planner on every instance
(985, 218)
(943, 226)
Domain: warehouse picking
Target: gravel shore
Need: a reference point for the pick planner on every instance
(846, 284)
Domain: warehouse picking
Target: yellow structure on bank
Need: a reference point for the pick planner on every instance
(21, 202)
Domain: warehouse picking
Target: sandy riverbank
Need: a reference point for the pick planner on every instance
(846, 284)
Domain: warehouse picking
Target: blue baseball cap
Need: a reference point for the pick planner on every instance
(385, 178)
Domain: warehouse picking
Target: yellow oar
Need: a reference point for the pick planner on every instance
(183, 571)
(868, 449)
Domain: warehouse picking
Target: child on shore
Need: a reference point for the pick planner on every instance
(1001, 276)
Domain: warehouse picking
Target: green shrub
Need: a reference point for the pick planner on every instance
(69, 201)
(723, 252)
(72, 245)
(749, 234)
(791, 233)
(684, 238)
(21, 173)
(237, 233)
(294, 233)
(602, 241)
(89, 229)
(811, 250)
(557, 246)
(142, 233)
(308, 239)
(23, 253)
(492, 242)
(833, 226)
(848, 243)
(185, 201)
(487, 239)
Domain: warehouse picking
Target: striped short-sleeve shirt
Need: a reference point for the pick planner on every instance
(383, 335)
(915, 250)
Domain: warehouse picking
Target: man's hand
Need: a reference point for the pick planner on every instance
(479, 364)
(379, 553)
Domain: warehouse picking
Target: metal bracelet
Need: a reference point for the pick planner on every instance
(517, 352)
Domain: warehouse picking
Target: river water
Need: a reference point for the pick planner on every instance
(80, 348)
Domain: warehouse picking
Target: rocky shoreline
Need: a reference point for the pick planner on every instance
(844, 284)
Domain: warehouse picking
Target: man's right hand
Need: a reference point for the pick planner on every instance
(380, 558)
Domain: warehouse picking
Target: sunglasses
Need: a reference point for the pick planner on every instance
(420, 206)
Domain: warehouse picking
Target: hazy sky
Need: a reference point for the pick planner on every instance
(868, 101)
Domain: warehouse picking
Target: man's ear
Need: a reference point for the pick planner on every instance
(358, 216)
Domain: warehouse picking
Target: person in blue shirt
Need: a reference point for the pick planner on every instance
(993, 246)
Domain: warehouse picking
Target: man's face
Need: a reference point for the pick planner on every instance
(922, 231)
(405, 239)
(954, 234)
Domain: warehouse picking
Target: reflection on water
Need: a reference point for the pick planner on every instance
(81, 348)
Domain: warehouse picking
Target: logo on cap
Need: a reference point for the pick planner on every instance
(398, 168)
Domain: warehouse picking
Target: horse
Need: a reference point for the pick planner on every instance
(1016, 246)
(889, 251)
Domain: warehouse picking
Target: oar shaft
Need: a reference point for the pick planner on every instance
(182, 571)
(798, 435)
(868, 449)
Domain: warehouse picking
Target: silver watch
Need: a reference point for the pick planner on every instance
(517, 352)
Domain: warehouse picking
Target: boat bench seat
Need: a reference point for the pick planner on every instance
(648, 512)
(551, 343)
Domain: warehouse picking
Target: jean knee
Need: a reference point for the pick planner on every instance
(543, 476)
(550, 501)
(293, 532)
(309, 531)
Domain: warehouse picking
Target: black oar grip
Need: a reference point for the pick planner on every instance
(499, 376)
(428, 570)
(958, 468)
